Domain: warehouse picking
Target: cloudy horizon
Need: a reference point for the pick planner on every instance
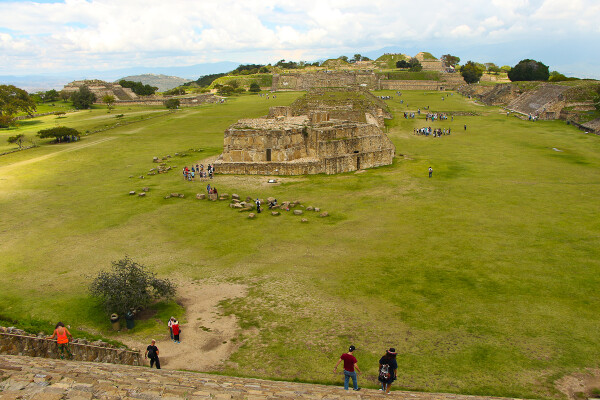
(46, 36)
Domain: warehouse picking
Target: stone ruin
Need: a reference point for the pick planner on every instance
(326, 131)
(101, 88)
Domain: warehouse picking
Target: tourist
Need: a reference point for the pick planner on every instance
(208, 189)
(350, 365)
(170, 325)
(465, 127)
(257, 205)
(152, 352)
(176, 331)
(192, 174)
(430, 171)
(388, 368)
(61, 334)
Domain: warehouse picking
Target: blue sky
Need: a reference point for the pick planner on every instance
(44, 36)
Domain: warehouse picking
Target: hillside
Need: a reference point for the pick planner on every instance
(162, 82)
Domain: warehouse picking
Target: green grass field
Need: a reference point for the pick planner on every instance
(484, 277)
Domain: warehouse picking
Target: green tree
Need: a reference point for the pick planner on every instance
(18, 140)
(471, 72)
(402, 64)
(12, 101)
(64, 95)
(233, 83)
(59, 133)
(109, 99)
(529, 70)
(415, 65)
(129, 286)
(51, 95)
(172, 104)
(138, 87)
(343, 58)
(450, 60)
(357, 57)
(83, 98)
(254, 87)
(596, 99)
(492, 68)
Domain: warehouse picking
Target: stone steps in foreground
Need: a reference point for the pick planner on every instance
(32, 378)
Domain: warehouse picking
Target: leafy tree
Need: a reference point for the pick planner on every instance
(138, 87)
(529, 70)
(51, 95)
(225, 90)
(83, 98)
(505, 68)
(205, 80)
(129, 286)
(59, 114)
(471, 72)
(18, 140)
(415, 65)
(357, 57)
(60, 133)
(109, 99)
(364, 58)
(450, 60)
(263, 70)
(64, 95)
(402, 64)
(254, 87)
(175, 91)
(234, 84)
(172, 104)
(12, 101)
(343, 58)
(492, 68)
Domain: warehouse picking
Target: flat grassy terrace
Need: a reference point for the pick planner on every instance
(484, 277)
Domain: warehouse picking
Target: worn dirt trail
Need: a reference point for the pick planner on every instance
(206, 336)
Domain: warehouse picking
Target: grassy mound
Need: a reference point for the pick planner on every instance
(263, 80)
(389, 60)
(411, 76)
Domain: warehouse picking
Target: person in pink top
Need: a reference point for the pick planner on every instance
(350, 368)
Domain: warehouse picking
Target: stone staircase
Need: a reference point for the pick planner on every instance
(45, 379)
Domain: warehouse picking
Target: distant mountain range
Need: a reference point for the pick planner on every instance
(53, 80)
(162, 82)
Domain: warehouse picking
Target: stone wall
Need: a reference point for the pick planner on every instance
(22, 344)
(306, 81)
(412, 85)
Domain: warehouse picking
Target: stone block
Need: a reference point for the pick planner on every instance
(298, 212)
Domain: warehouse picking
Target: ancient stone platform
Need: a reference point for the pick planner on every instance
(45, 379)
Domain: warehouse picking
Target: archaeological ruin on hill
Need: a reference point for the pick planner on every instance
(329, 130)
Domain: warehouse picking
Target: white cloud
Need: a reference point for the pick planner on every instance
(76, 33)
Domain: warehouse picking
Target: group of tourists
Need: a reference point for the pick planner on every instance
(388, 369)
(386, 97)
(267, 95)
(437, 132)
(436, 116)
(531, 117)
(211, 190)
(190, 174)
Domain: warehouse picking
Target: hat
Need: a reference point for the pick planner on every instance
(352, 348)
(392, 351)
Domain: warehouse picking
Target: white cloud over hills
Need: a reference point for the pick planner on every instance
(39, 36)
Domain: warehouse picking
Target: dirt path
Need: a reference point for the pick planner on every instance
(47, 156)
(206, 336)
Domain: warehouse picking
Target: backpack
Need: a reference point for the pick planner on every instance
(384, 372)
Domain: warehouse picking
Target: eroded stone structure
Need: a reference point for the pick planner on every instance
(326, 131)
(101, 88)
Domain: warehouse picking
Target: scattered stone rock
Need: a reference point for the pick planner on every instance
(143, 194)
(235, 196)
(236, 205)
(304, 220)
(224, 196)
(131, 176)
(141, 176)
(235, 200)
(155, 159)
(168, 196)
(248, 199)
(251, 215)
(298, 212)
(146, 189)
(200, 196)
(174, 194)
(309, 208)
(317, 209)
(270, 199)
(181, 195)
(132, 192)
(275, 213)
(324, 214)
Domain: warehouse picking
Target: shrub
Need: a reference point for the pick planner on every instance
(60, 133)
(129, 286)
(172, 104)
(83, 98)
(529, 70)
(254, 87)
(471, 72)
(18, 140)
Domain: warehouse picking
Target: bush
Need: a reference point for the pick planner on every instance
(129, 287)
(254, 87)
(471, 72)
(172, 104)
(529, 70)
(83, 98)
(17, 139)
(60, 133)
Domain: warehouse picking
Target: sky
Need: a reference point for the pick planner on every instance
(46, 36)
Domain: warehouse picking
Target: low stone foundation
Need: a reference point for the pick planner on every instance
(34, 346)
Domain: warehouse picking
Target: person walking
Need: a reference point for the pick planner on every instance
(430, 172)
(257, 206)
(176, 331)
(152, 353)
(62, 335)
(350, 365)
(170, 325)
(388, 368)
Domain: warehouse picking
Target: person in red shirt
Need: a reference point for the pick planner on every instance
(350, 368)
(60, 333)
(176, 330)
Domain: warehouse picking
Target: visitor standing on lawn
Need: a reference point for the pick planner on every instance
(350, 368)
